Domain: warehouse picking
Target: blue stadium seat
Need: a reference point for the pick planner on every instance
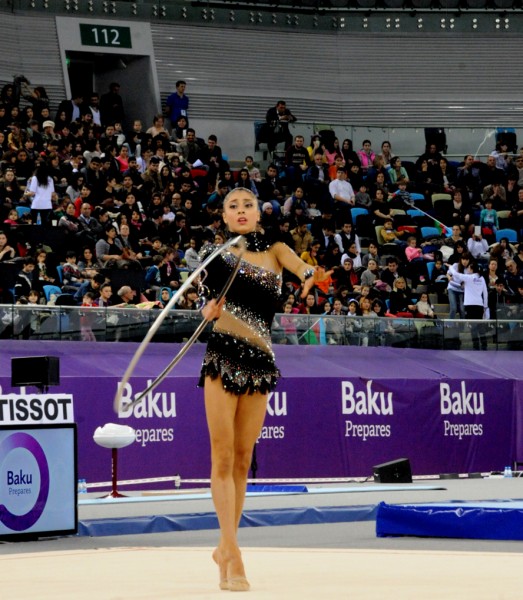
(22, 210)
(51, 289)
(430, 232)
(511, 234)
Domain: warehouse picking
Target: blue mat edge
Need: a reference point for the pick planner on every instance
(465, 520)
(199, 521)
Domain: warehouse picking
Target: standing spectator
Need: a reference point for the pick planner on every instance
(41, 190)
(94, 109)
(177, 104)
(72, 110)
(111, 105)
(475, 301)
(455, 289)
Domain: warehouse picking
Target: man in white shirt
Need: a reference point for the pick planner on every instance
(94, 107)
(340, 189)
(343, 195)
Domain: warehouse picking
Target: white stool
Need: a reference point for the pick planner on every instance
(114, 436)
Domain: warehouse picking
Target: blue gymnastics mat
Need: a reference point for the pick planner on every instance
(489, 520)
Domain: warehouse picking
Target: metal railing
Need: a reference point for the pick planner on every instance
(128, 324)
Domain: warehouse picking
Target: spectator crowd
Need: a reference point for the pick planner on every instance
(97, 214)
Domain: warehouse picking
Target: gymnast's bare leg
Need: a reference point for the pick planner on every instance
(234, 425)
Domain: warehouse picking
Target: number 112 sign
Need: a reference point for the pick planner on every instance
(108, 36)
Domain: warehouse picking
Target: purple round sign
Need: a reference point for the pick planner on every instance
(24, 522)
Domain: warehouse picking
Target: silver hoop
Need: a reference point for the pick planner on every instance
(237, 241)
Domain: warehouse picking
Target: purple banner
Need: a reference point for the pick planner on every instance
(337, 412)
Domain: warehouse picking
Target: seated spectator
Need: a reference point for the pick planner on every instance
(423, 307)
(153, 279)
(380, 209)
(189, 300)
(42, 274)
(512, 276)
(87, 265)
(503, 250)
(312, 254)
(246, 182)
(390, 235)
(104, 300)
(12, 219)
(11, 194)
(349, 155)
(438, 280)
(309, 306)
(130, 299)
(417, 268)
(7, 252)
(109, 250)
(90, 285)
(431, 155)
(24, 280)
(401, 304)
(169, 274)
(499, 301)
(354, 254)
(254, 172)
(72, 276)
(396, 171)
(477, 246)
(372, 253)
(366, 156)
(468, 178)
(269, 221)
(444, 176)
(371, 277)
(347, 276)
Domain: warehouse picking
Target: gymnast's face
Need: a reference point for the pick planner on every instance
(240, 212)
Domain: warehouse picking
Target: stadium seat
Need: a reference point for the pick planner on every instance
(49, 290)
(356, 212)
(430, 268)
(417, 197)
(430, 232)
(504, 217)
(60, 272)
(510, 234)
(437, 197)
(22, 210)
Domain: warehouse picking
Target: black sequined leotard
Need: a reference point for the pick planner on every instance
(239, 349)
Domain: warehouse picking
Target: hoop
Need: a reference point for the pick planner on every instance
(237, 241)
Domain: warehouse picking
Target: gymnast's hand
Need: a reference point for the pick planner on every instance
(213, 310)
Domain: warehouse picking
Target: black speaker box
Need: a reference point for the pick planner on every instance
(395, 471)
(35, 370)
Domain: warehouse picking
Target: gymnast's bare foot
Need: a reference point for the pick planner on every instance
(236, 580)
(219, 559)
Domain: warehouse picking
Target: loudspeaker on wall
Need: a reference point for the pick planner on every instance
(35, 370)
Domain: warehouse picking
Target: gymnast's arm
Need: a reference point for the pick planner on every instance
(289, 260)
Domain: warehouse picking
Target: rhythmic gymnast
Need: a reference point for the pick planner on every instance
(238, 370)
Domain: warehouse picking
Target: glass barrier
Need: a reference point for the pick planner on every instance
(131, 325)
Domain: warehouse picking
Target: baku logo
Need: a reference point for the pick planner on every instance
(26, 441)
